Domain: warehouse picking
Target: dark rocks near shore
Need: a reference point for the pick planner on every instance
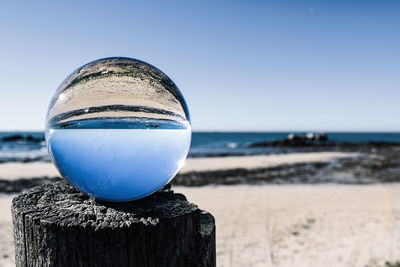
(22, 138)
(26, 160)
(19, 185)
(296, 173)
(375, 164)
(319, 140)
(363, 169)
(295, 140)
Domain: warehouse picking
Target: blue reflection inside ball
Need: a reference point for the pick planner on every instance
(118, 129)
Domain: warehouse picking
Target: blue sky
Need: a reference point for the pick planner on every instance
(241, 65)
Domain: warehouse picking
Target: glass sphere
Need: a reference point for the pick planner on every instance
(118, 129)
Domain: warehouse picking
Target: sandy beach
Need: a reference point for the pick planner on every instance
(288, 225)
(303, 225)
(261, 161)
(6, 232)
(10, 171)
(269, 224)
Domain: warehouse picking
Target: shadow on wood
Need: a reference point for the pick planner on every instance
(56, 225)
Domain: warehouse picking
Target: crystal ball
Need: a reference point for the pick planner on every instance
(118, 129)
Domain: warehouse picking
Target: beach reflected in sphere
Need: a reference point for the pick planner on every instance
(118, 129)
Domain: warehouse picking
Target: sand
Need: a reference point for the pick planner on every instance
(6, 235)
(303, 225)
(260, 161)
(288, 225)
(10, 171)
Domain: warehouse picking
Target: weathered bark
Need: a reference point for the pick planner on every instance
(55, 225)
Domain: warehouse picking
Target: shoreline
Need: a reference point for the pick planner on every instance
(13, 171)
(322, 167)
(259, 161)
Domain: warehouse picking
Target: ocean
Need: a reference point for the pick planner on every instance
(31, 147)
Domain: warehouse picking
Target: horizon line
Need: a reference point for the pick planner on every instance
(252, 131)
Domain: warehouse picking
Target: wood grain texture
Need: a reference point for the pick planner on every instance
(56, 225)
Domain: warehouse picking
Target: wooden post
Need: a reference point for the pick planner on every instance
(56, 225)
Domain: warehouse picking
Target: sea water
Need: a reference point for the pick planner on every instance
(118, 164)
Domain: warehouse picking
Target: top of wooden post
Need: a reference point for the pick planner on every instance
(62, 204)
(56, 225)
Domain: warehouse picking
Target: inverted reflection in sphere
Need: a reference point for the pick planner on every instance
(118, 129)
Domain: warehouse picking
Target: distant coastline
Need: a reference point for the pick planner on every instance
(372, 158)
(30, 146)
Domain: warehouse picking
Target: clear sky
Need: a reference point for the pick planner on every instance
(241, 65)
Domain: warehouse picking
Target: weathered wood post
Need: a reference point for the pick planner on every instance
(56, 225)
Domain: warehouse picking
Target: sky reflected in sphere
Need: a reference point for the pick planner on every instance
(118, 129)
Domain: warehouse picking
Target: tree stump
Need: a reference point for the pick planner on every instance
(56, 225)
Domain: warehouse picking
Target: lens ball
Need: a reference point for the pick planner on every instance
(118, 129)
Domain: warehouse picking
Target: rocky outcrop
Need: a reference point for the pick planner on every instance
(20, 137)
(318, 140)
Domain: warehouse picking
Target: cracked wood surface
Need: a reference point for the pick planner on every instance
(56, 225)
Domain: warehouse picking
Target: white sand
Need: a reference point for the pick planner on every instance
(304, 225)
(37, 169)
(288, 225)
(261, 161)
(6, 234)
(10, 171)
